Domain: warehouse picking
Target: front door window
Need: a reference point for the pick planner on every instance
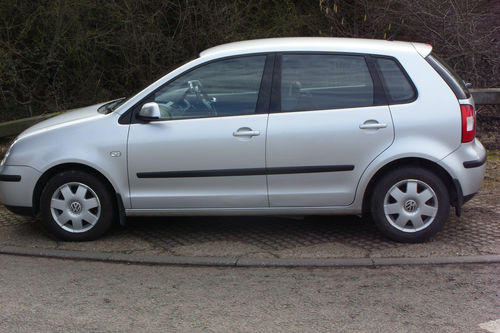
(224, 88)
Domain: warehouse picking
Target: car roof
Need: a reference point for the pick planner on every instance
(325, 44)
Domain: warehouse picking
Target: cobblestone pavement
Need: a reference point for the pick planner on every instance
(477, 232)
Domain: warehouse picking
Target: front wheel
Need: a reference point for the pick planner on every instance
(410, 204)
(76, 206)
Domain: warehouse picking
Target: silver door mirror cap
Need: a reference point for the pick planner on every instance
(149, 111)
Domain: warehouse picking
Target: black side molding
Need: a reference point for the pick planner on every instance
(10, 178)
(475, 163)
(308, 169)
(245, 172)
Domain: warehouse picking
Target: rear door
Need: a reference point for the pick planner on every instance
(329, 120)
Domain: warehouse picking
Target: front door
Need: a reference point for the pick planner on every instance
(208, 148)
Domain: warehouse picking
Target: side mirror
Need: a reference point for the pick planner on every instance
(149, 112)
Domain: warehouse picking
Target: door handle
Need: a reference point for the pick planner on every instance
(371, 125)
(245, 132)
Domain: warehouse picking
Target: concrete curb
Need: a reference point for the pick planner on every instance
(240, 262)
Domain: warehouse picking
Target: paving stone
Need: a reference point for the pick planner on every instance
(219, 249)
(477, 232)
(117, 242)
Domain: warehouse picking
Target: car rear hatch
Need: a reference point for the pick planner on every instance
(464, 97)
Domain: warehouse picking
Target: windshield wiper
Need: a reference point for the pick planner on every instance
(110, 106)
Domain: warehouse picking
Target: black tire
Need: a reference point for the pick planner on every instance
(410, 204)
(82, 209)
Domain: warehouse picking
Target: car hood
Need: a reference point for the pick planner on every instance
(67, 118)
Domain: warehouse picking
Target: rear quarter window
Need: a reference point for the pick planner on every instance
(451, 78)
(397, 84)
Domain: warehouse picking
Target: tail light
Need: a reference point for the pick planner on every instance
(468, 122)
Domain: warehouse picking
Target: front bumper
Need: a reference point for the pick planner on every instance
(17, 184)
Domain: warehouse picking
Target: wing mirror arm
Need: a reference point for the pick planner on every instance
(149, 112)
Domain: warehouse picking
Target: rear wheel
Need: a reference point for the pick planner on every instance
(410, 204)
(77, 206)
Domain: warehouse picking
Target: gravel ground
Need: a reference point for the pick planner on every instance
(44, 295)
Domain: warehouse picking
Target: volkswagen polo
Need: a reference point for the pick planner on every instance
(275, 126)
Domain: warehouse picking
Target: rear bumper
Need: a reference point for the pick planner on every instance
(467, 166)
(17, 184)
(468, 197)
(459, 199)
(475, 163)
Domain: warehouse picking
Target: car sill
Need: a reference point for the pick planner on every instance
(343, 210)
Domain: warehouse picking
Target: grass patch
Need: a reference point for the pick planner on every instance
(493, 154)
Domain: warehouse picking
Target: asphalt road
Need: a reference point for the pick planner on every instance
(50, 295)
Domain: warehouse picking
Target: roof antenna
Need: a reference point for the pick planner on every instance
(393, 36)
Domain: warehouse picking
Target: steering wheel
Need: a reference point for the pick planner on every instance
(195, 87)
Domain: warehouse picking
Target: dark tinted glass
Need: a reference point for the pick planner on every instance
(449, 75)
(222, 88)
(319, 81)
(395, 81)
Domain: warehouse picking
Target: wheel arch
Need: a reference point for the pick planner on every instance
(48, 174)
(451, 185)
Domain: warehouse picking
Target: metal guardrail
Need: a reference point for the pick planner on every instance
(15, 127)
(486, 96)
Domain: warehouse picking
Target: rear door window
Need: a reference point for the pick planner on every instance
(325, 81)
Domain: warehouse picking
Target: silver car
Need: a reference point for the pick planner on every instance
(274, 126)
